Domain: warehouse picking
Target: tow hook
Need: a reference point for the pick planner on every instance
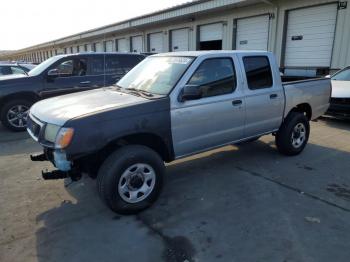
(41, 157)
(58, 174)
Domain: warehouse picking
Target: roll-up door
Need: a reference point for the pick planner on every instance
(210, 37)
(156, 42)
(310, 36)
(253, 33)
(179, 40)
(122, 45)
(109, 46)
(136, 44)
(81, 48)
(88, 48)
(98, 47)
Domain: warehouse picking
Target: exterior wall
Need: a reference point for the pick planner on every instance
(192, 16)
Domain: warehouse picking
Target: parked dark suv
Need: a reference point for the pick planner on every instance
(56, 76)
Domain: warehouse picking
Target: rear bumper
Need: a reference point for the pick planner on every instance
(342, 110)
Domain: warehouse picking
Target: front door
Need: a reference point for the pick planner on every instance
(217, 118)
(71, 75)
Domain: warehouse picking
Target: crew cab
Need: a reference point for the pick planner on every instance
(56, 76)
(168, 107)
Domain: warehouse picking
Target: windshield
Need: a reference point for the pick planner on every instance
(156, 75)
(41, 67)
(343, 75)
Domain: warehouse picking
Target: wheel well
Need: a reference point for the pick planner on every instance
(92, 163)
(30, 96)
(303, 108)
(147, 139)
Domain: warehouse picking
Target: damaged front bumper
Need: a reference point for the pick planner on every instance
(59, 159)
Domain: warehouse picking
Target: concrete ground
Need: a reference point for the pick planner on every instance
(245, 203)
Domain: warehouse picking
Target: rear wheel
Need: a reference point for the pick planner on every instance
(131, 178)
(14, 114)
(293, 135)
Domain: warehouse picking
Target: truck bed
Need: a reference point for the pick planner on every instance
(315, 92)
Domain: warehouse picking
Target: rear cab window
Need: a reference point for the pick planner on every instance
(258, 72)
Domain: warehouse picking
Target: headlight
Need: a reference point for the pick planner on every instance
(64, 137)
(51, 132)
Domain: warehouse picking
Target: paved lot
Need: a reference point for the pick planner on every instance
(244, 203)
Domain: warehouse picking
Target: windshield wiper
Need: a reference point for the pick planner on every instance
(143, 92)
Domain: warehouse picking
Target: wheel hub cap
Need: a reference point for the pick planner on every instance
(298, 135)
(136, 183)
(17, 116)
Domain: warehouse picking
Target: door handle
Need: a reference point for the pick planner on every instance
(273, 96)
(85, 82)
(236, 102)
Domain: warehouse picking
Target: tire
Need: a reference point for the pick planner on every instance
(293, 134)
(125, 173)
(17, 111)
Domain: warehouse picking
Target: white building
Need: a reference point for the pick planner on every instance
(308, 37)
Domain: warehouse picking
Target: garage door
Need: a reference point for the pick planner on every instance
(98, 47)
(136, 44)
(156, 42)
(210, 37)
(180, 40)
(253, 33)
(122, 45)
(81, 48)
(88, 48)
(310, 35)
(109, 46)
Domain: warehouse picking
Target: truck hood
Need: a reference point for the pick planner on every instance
(340, 89)
(17, 79)
(60, 109)
(13, 76)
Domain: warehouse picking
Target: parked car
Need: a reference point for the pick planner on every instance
(56, 76)
(340, 100)
(10, 69)
(168, 107)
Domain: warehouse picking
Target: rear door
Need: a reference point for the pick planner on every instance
(116, 66)
(264, 95)
(215, 119)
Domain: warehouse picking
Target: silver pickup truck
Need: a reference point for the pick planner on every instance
(168, 107)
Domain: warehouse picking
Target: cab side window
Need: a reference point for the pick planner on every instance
(258, 72)
(215, 77)
(17, 70)
(72, 67)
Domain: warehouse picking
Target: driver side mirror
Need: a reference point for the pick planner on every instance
(53, 73)
(190, 92)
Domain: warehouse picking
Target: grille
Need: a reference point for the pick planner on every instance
(33, 127)
(340, 101)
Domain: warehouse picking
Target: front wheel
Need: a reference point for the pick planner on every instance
(14, 114)
(130, 179)
(293, 135)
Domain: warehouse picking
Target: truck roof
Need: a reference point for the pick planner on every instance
(92, 53)
(210, 52)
